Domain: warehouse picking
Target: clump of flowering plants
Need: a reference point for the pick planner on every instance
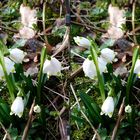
(33, 97)
(23, 92)
(112, 97)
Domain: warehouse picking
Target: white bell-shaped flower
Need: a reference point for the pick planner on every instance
(37, 109)
(102, 65)
(90, 69)
(52, 67)
(82, 41)
(137, 68)
(108, 107)
(108, 55)
(9, 65)
(17, 107)
(128, 109)
(17, 55)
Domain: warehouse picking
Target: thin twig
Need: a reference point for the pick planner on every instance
(9, 29)
(26, 129)
(133, 23)
(75, 73)
(64, 43)
(56, 93)
(52, 90)
(118, 120)
(7, 135)
(89, 26)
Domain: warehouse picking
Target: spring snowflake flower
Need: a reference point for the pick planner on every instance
(17, 55)
(52, 67)
(82, 41)
(90, 69)
(37, 109)
(137, 68)
(9, 65)
(128, 109)
(108, 107)
(17, 107)
(108, 55)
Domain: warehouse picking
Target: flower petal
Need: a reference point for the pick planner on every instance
(52, 67)
(17, 107)
(17, 55)
(108, 107)
(82, 41)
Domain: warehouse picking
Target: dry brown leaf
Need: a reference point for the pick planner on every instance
(28, 18)
(116, 20)
(121, 70)
(31, 71)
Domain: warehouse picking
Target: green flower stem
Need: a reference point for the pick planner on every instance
(40, 75)
(9, 82)
(130, 78)
(100, 77)
(44, 22)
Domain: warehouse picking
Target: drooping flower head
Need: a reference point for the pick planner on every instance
(82, 41)
(108, 107)
(17, 55)
(90, 69)
(52, 67)
(108, 55)
(17, 107)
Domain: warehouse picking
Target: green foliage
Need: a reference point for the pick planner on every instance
(92, 108)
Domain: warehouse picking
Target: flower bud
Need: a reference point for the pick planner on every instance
(128, 109)
(82, 41)
(37, 109)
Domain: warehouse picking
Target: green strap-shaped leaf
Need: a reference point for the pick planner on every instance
(92, 107)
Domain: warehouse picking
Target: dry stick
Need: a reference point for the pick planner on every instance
(75, 73)
(133, 19)
(95, 131)
(26, 129)
(118, 120)
(135, 30)
(89, 26)
(52, 90)
(9, 29)
(64, 43)
(7, 135)
(84, 24)
(64, 97)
